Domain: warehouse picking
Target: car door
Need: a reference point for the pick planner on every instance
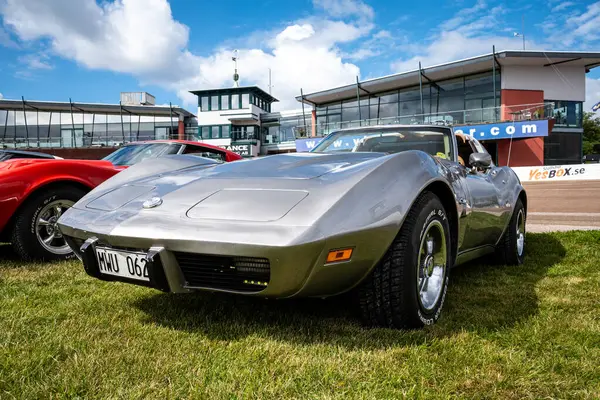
(484, 215)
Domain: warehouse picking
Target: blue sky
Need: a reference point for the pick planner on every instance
(91, 50)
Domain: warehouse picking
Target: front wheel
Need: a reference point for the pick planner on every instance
(408, 287)
(35, 235)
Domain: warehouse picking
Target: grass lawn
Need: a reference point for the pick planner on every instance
(506, 332)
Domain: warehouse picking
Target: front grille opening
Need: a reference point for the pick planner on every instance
(240, 274)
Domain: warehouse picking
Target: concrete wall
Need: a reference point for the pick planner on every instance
(523, 152)
(569, 86)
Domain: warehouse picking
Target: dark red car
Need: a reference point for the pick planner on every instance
(35, 192)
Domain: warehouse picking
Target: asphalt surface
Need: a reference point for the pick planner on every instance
(561, 206)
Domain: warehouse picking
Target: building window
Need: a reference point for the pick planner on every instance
(214, 103)
(567, 113)
(205, 132)
(214, 132)
(244, 133)
(245, 100)
(225, 102)
(235, 101)
(204, 103)
(225, 131)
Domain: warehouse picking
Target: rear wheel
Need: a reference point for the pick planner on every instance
(511, 249)
(408, 287)
(35, 235)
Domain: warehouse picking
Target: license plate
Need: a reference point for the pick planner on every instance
(126, 264)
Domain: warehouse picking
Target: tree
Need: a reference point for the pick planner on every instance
(591, 133)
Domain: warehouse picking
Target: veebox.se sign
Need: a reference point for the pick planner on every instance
(558, 172)
(516, 130)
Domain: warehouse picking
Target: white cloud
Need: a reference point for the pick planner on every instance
(1, 96)
(592, 93)
(463, 14)
(586, 24)
(6, 40)
(140, 37)
(468, 33)
(577, 27)
(451, 46)
(345, 8)
(122, 36)
(36, 61)
(562, 6)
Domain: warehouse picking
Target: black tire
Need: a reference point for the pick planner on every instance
(508, 248)
(389, 296)
(24, 239)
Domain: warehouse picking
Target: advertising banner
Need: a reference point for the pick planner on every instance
(304, 145)
(505, 130)
(548, 173)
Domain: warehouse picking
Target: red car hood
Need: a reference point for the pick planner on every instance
(23, 162)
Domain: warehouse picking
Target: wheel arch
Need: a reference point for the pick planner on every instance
(523, 197)
(446, 196)
(61, 183)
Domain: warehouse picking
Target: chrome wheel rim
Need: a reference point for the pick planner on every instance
(46, 227)
(432, 265)
(520, 232)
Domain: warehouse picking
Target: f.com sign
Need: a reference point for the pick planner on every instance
(507, 130)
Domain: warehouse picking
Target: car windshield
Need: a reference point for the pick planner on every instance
(436, 142)
(134, 153)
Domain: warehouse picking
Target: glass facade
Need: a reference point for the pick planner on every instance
(232, 101)
(567, 114)
(278, 129)
(454, 101)
(41, 129)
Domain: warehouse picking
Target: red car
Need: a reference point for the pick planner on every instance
(35, 192)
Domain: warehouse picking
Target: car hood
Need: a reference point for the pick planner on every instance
(11, 165)
(263, 189)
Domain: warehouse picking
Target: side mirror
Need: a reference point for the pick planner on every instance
(480, 160)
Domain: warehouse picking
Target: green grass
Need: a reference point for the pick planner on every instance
(506, 332)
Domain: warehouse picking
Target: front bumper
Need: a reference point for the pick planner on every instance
(294, 271)
(297, 267)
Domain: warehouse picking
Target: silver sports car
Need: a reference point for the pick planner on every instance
(382, 211)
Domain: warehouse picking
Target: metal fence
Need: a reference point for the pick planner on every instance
(78, 142)
(521, 112)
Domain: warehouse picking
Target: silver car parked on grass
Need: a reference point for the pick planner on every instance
(382, 211)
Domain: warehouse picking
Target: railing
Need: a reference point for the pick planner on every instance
(476, 116)
(78, 142)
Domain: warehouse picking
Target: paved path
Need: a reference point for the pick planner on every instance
(561, 206)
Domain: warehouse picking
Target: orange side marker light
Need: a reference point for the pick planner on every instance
(339, 255)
